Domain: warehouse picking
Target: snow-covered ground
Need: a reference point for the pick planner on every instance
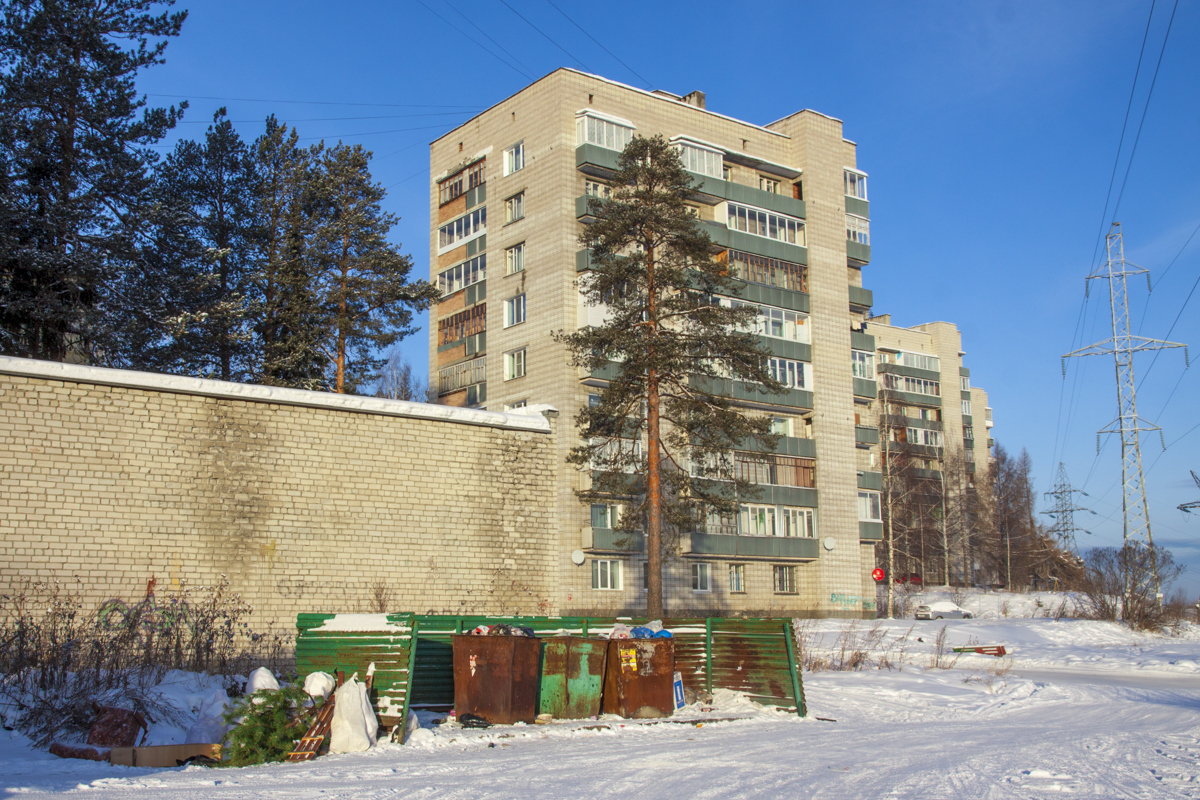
(1083, 708)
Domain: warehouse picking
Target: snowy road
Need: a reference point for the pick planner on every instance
(1086, 710)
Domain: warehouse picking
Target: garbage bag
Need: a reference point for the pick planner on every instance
(619, 631)
(662, 635)
(354, 724)
(319, 684)
(641, 632)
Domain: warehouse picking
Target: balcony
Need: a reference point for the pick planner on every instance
(857, 254)
(870, 480)
(773, 547)
(865, 388)
(753, 393)
(582, 212)
(599, 162)
(723, 237)
(857, 207)
(865, 435)
(862, 341)
(870, 531)
(861, 298)
(609, 540)
(711, 191)
(787, 446)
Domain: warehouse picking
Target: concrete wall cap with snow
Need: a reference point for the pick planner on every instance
(254, 393)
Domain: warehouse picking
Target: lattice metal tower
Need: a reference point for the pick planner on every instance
(1064, 526)
(1122, 346)
(1195, 504)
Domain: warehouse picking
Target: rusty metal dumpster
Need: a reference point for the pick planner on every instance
(572, 677)
(639, 677)
(496, 678)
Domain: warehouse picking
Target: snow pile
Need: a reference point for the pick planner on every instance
(361, 623)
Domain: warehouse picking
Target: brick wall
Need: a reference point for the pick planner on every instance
(304, 504)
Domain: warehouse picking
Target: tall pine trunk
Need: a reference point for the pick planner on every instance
(654, 592)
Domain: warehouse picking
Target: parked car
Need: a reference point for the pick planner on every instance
(942, 609)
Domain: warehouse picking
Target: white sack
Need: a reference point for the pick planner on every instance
(354, 724)
(319, 684)
(261, 679)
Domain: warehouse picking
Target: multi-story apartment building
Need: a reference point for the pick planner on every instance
(788, 207)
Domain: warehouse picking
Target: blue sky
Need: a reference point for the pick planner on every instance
(989, 130)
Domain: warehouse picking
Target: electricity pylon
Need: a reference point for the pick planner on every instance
(1064, 526)
(1122, 346)
(1194, 505)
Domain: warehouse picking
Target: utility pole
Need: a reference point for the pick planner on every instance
(1122, 346)
(1064, 526)
(1187, 508)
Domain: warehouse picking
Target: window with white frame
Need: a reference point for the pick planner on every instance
(765, 223)
(737, 578)
(597, 189)
(969, 432)
(966, 408)
(465, 227)
(918, 360)
(791, 374)
(726, 173)
(798, 522)
(781, 426)
(964, 383)
(700, 157)
(924, 436)
(463, 275)
(611, 133)
(605, 515)
(514, 207)
(514, 259)
(768, 184)
(516, 405)
(862, 364)
(858, 229)
(756, 520)
(514, 311)
(785, 579)
(869, 509)
(903, 383)
(778, 323)
(514, 158)
(701, 577)
(856, 184)
(514, 364)
(616, 455)
(606, 573)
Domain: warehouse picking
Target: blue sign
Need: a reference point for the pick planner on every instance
(679, 691)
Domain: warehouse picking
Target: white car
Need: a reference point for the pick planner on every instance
(942, 609)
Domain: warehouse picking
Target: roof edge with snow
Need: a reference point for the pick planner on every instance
(254, 393)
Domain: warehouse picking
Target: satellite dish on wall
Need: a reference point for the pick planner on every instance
(577, 558)
(829, 542)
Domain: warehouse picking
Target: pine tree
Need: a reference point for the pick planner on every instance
(290, 321)
(74, 146)
(676, 348)
(204, 209)
(361, 279)
(266, 726)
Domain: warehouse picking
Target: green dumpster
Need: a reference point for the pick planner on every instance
(572, 677)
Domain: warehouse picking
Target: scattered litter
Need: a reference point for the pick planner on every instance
(473, 721)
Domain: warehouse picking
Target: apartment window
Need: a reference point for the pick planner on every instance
(593, 400)
(462, 375)
(700, 157)
(798, 522)
(516, 405)
(858, 229)
(701, 577)
(768, 271)
(773, 470)
(597, 189)
(969, 433)
(514, 158)
(790, 373)
(856, 184)
(514, 364)
(465, 323)
(463, 275)
(918, 360)
(781, 426)
(966, 408)
(605, 515)
(606, 573)
(928, 414)
(785, 579)
(514, 311)
(923, 436)
(611, 133)
(737, 578)
(465, 227)
(754, 520)
(514, 259)
(869, 509)
(450, 188)
(768, 184)
(514, 207)
(726, 173)
(765, 223)
(903, 383)
(475, 174)
(862, 364)
(780, 323)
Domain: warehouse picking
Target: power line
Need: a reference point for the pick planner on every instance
(306, 102)
(1187, 300)
(329, 119)
(528, 71)
(1121, 142)
(484, 47)
(546, 37)
(1168, 269)
(1145, 108)
(602, 47)
(367, 133)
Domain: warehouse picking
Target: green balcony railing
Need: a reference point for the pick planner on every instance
(755, 546)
